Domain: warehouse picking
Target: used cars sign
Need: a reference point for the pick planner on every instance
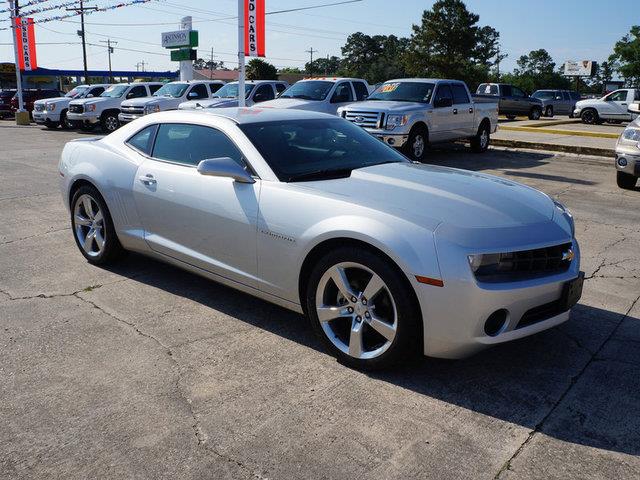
(180, 38)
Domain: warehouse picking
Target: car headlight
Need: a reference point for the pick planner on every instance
(631, 135)
(568, 215)
(151, 109)
(50, 106)
(394, 121)
(485, 260)
(91, 107)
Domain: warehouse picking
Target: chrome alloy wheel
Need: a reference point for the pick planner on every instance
(356, 310)
(89, 228)
(484, 139)
(111, 123)
(418, 146)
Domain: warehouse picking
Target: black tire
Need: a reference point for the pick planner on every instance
(535, 113)
(548, 112)
(51, 125)
(109, 122)
(510, 117)
(408, 338)
(590, 116)
(626, 181)
(87, 127)
(571, 111)
(65, 123)
(112, 250)
(480, 143)
(418, 134)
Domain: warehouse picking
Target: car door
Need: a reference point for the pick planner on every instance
(263, 93)
(137, 91)
(507, 103)
(362, 92)
(342, 95)
(520, 101)
(463, 112)
(442, 119)
(565, 105)
(205, 221)
(198, 92)
(615, 106)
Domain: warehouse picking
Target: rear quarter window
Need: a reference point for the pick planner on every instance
(143, 140)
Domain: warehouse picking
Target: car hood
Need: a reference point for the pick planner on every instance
(143, 101)
(84, 101)
(298, 103)
(589, 102)
(385, 105)
(55, 100)
(429, 195)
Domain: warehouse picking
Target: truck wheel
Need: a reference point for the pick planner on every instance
(110, 122)
(416, 146)
(571, 111)
(480, 143)
(549, 111)
(65, 123)
(51, 125)
(535, 113)
(589, 116)
(626, 181)
(510, 117)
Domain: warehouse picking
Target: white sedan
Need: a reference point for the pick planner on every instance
(308, 211)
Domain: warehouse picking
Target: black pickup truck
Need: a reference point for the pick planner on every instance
(511, 100)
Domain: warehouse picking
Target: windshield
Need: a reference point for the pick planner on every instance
(76, 92)
(230, 90)
(299, 150)
(404, 92)
(309, 90)
(174, 90)
(114, 91)
(543, 95)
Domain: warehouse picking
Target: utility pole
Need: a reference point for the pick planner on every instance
(211, 64)
(241, 65)
(326, 66)
(140, 66)
(498, 65)
(310, 52)
(81, 33)
(15, 12)
(110, 51)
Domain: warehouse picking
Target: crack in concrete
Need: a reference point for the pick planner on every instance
(34, 236)
(507, 465)
(577, 342)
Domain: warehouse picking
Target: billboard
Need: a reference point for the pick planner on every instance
(254, 28)
(26, 43)
(583, 68)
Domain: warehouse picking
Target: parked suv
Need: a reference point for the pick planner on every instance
(5, 102)
(322, 94)
(52, 112)
(512, 101)
(104, 110)
(168, 97)
(256, 91)
(29, 96)
(561, 102)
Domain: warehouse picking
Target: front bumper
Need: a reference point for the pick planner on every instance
(455, 315)
(577, 111)
(396, 140)
(85, 117)
(628, 160)
(44, 116)
(129, 117)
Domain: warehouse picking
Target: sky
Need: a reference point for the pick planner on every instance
(567, 29)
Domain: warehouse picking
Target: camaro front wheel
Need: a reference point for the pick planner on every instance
(360, 306)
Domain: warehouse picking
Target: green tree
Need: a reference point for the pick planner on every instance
(258, 69)
(290, 70)
(535, 71)
(202, 64)
(450, 44)
(626, 56)
(374, 58)
(323, 66)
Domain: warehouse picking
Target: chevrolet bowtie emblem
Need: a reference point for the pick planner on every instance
(568, 255)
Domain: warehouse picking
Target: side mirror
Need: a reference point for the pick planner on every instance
(192, 95)
(259, 97)
(443, 102)
(224, 167)
(634, 108)
(90, 95)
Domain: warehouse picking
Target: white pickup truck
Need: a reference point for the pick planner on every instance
(104, 110)
(323, 94)
(168, 98)
(411, 113)
(255, 91)
(52, 112)
(611, 108)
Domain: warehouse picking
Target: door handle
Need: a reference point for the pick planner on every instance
(147, 179)
(455, 111)
(623, 104)
(470, 110)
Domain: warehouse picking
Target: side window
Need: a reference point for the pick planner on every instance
(619, 96)
(516, 92)
(214, 87)
(575, 95)
(506, 91)
(96, 91)
(143, 140)
(342, 93)
(460, 95)
(263, 93)
(566, 95)
(361, 89)
(280, 87)
(190, 144)
(137, 92)
(444, 97)
(154, 88)
(198, 92)
(637, 95)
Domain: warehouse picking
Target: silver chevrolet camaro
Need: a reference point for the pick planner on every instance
(386, 257)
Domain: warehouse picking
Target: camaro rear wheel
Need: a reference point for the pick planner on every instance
(361, 308)
(93, 228)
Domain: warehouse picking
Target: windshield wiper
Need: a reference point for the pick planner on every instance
(324, 174)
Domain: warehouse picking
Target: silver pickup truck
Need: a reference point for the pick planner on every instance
(411, 113)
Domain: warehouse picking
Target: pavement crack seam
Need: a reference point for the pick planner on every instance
(507, 465)
(35, 236)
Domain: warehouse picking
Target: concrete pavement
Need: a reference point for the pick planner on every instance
(145, 371)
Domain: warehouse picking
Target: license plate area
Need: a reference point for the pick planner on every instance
(572, 291)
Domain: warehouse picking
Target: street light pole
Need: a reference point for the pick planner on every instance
(15, 10)
(241, 67)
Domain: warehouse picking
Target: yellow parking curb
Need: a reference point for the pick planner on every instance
(556, 131)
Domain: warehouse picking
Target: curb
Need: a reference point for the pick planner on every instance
(579, 150)
(555, 131)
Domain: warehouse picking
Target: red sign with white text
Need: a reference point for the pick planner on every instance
(26, 42)
(254, 28)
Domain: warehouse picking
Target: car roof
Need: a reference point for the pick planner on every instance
(332, 79)
(248, 115)
(421, 80)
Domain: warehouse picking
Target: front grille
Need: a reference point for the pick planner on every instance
(541, 313)
(365, 119)
(38, 108)
(526, 264)
(132, 110)
(76, 108)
